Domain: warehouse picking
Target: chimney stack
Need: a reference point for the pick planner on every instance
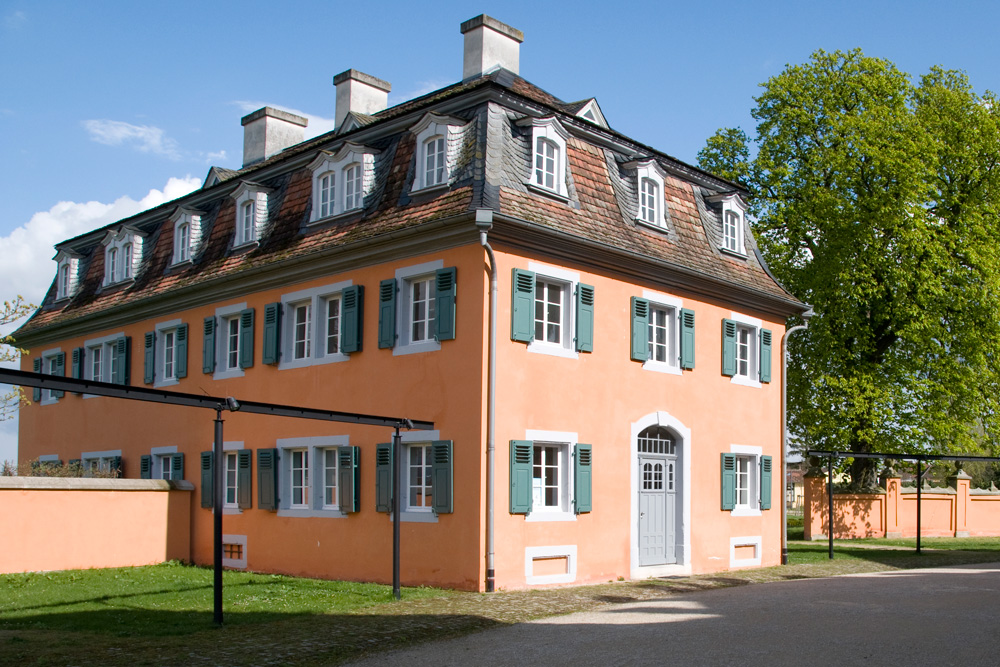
(359, 93)
(489, 44)
(268, 131)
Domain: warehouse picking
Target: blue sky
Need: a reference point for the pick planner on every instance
(108, 108)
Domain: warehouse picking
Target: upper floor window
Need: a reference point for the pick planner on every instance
(649, 201)
(341, 181)
(423, 314)
(106, 359)
(122, 254)
(251, 213)
(436, 142)
(548, 155)
(316, 477)
(165, 353)
(187, 234)
(733, 221)
(662, 333)
(746, 350)
(67, 274)
(228, 341)
(650, 204)
(317, 325)
(434, 161)
(552, 311)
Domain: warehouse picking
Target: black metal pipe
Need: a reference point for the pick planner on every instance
(397, 455)
(829, 502)
(920, 483)
(217, 498)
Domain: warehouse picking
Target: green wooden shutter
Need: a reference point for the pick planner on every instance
(244, 488)
(246, 338)
(271, 353)
(383, 477)
(640, 329)
(207, 479)
(60, 370)
(349, 478)
(352, 318)
(584, 318)
(149, 357)
(181, 354)
(522, 307)
(77, 368)
(267, 479)
(123, 360)
(387, 313)
(728, 481)
(208, 347)
(765, 355)
(177, 466)
(765, 482)
(145, 467)
(36, 392)
(445, 293)
(521, 460)
(728, 347)
(687, 338)
(442, 476)
(582, 478)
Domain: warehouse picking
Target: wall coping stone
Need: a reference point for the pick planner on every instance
(92, 484)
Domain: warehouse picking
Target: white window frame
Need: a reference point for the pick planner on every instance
(323, 459)
(48, 359)
(649, 171)
(732, 204)
(753, 326)
(569, 281)
(565, 441)
(349, 155)
(406, 513)
(672, 305)
(122, 255)
(186, 249)
(316, 447)
(406, 483)
(244, 195)
(231, 448)
(405, 277)
(100, 459)
(162, 331)
(107, 346)
(67, 274)
(298, 482)
(550, 130)
(300, 314)
(432, 127)
(751, 456)
(157, 456)
(224, 315)
(317, 298)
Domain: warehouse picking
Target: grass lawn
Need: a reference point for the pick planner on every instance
(162, 614)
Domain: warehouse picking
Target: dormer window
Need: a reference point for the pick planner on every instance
(342, 180)
(251, 213)
(187, 234)
(650, 204)
(548, 155)
(122, 255)
(436, 145)
(67, 274)
(732, 219)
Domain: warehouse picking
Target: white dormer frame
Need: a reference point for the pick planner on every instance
(547, 171)
(67, 274)
(251, 199)
(122, 254)
(592, 111)
(650, 200)
(732, 222)
(336, 166)
(186, 245)
(428, 131)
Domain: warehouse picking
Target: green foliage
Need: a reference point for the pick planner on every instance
(876, 201)
(10, 313)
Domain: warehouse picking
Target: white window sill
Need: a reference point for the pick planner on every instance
(430, 188)
(228, 374)
(246, 245)
(313, 361)
(182, 262)
(305, 513)
(416, 516)
(130, 279)
(733, 253)
(416, 348)
(228, 510)
(336, 216)
(743, 510)
(549, 515)
(559, 196)
(166, 383)
(745, 381)
(48, 401)
(658, 226)
(662, 367)
(553, 350)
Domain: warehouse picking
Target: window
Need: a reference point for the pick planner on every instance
(552, 311)
(548, 156)
(316, 476)
(106, 359)
(162, 463)
(426, 486)
(425, 309)
(550, 476)
(732, 212)
(434, 161)
(746, 481)
(318, 325)
(232, 343)
(662, 338)
(746, 350)
(54, 363)
(96, 363)
(649, 198)
(169, 354)
(251, 213)
(126, 261)
(329, 478)
(341, 180)
(165, 353)
(299, 482)
(67, 274)
(421, 309)
(187, 234)
(108, 462)
(232, 481)
(228, 341)
(63, 288)
(437, 138)
(113, 270)
(649, 184)
(122, 254)
(662, 333)
(183, 242)
(418, 493)
(248, 221)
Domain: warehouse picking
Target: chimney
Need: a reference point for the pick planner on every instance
(489, 44)
(268, 131)
(359, 93)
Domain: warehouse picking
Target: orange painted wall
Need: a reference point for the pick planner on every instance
(60, 524)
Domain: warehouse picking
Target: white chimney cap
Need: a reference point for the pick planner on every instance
(490, 44)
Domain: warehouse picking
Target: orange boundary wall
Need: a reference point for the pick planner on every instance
(954, 511)
(53, 523)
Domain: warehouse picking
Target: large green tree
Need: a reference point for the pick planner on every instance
(875, 199)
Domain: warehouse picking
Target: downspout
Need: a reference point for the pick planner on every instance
(784, 432)
(484, 222)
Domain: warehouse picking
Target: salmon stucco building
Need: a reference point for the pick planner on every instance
(629, 420)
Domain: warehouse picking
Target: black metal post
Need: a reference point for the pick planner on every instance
(920, 483)
(217, 494)
(397, 456)
(829, 501)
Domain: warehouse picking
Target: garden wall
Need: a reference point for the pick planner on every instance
(952, 511)
(60, 523)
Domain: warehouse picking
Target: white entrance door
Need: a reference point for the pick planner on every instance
(656, 511)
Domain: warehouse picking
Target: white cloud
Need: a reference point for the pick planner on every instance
(317, 124)
(144, 138)
(218, 156)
